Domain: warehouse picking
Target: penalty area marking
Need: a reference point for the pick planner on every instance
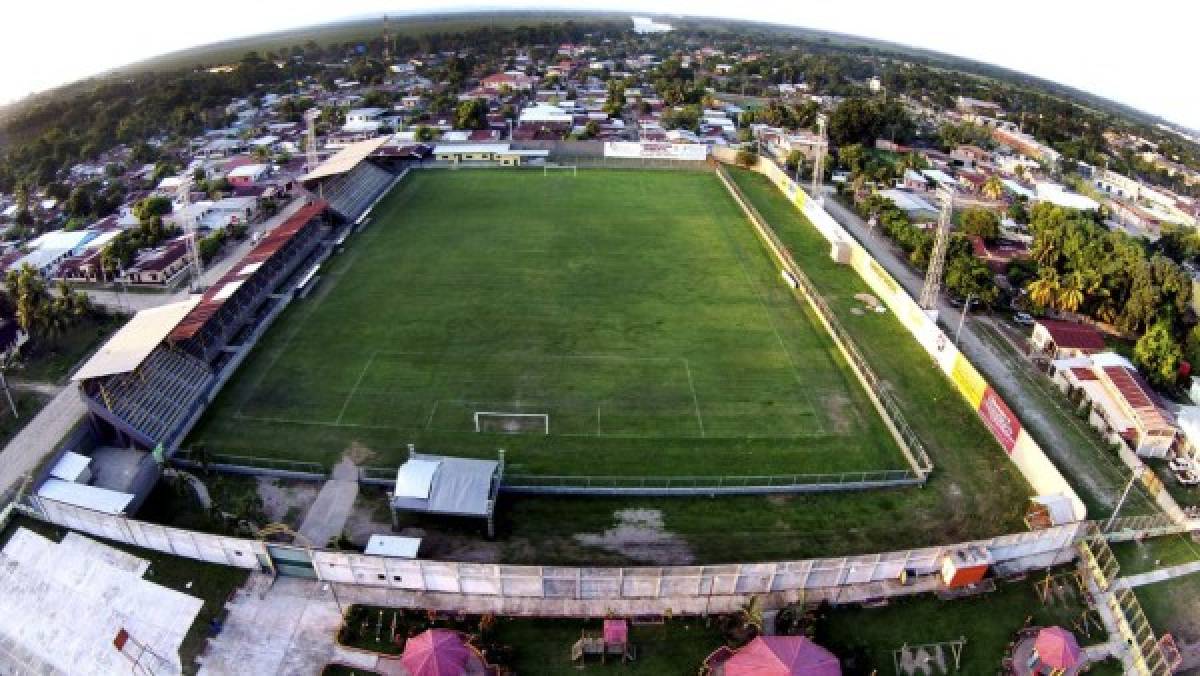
(362, 374)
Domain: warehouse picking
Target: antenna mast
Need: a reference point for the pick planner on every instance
(937, 259)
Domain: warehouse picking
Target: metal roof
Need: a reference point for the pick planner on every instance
(214, 298)
(83, 495)
(129, 346)
(457, 486)
(346, 159)
(393, 545)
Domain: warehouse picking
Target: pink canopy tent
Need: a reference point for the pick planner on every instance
(782, 656)
(1057, 648)
(616, 631)
(435, 652)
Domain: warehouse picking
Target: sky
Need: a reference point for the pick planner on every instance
(1140, 53)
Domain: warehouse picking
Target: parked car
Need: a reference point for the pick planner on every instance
(1023, 318)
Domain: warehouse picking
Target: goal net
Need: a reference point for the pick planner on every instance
(512, 423)
(547, 168)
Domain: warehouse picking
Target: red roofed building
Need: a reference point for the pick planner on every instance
(1058, 339)
(998, 254)
(1122, 405)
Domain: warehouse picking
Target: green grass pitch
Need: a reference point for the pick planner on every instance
(635, 309)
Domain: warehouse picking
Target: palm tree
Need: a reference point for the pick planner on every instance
(1044, 290)
(1070, 294)
(993, 188)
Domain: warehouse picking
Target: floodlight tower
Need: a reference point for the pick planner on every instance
(819, 161)
(937, 259)
(189, 227)
(310, 120)
(387, 43)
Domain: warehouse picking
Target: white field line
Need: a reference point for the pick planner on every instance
(317, 423)
(695, 400)
(345, 404)
(432, 412)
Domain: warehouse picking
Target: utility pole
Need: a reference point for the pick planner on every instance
(962, 318)
(8, 393)
(937, 259)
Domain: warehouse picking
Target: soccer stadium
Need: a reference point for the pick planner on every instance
(602, 322)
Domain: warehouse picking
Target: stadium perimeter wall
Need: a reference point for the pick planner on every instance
(585, 591)
(995, 413)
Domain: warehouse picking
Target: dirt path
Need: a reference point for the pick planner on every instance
(39, 437)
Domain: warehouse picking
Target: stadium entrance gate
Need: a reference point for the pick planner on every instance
(292, 561)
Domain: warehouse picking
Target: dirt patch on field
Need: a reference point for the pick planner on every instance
(358, 453)
(839, 414)
(287, 501)
(639, 534)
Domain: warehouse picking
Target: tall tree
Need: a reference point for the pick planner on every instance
(1157, 355)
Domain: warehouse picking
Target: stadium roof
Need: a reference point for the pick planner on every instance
(346, 159)
(129, 346)
(218, 293)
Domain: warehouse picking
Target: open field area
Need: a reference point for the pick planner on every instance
(635, 309)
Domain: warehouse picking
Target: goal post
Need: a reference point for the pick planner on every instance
(548, 167)
(512, 423)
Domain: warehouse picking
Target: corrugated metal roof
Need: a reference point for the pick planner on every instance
(346, 159)
(1073, 335)
(130, 346)
(275, 240)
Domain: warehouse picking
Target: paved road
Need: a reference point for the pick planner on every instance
(326, 517)
(1005, 373)
(32, 444)
(141, 300)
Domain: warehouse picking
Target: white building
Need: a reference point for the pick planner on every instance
(1058, 194)
(362, 120)
(1123, 407)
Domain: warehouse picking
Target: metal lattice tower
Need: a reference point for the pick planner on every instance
(937, 259)
(189, 227)
(310, 119)
(819, 161)
(387, 43)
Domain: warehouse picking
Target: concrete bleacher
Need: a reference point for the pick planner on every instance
(155, 398)
(351, 193)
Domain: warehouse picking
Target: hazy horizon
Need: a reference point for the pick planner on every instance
(1158, 88)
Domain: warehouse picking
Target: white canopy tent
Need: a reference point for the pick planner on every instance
(439, 484)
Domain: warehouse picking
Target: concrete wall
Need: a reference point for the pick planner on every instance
(995, 413)
(570, 591)
(576, 591)
(237, 552)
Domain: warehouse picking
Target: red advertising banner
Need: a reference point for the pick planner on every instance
(1000, 419)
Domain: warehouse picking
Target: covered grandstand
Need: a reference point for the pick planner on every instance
(151, 380)
(349, 181)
